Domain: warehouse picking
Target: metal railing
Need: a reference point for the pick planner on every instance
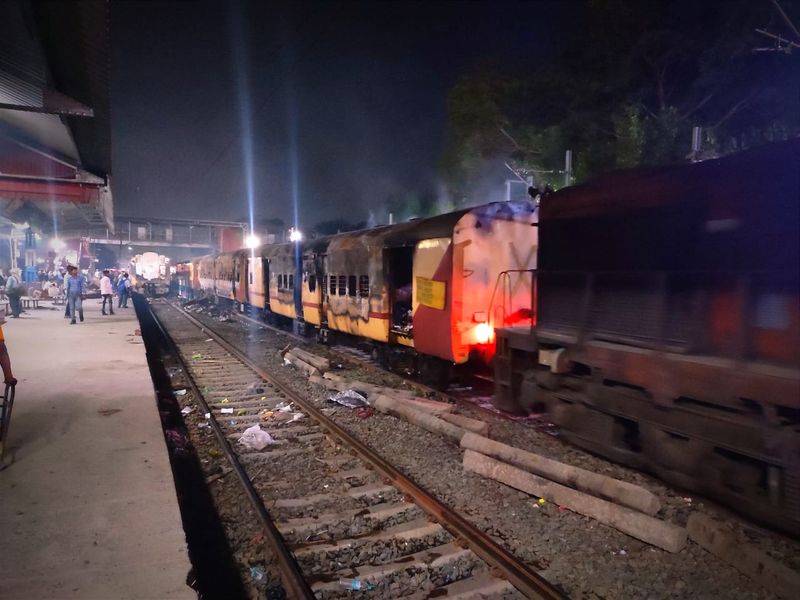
(503, 295)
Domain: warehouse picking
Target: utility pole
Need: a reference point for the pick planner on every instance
(697, 142)
(568, 168)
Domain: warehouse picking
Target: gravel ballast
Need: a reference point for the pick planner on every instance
(586, 559)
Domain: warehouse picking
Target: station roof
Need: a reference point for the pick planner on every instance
(55, 148)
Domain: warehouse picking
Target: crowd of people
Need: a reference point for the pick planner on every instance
(70, 286)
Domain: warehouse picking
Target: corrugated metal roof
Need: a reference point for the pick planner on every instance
(62, 46)
(79, 65)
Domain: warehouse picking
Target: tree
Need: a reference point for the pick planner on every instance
(636, 76)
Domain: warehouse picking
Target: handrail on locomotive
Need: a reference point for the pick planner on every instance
(507, 300)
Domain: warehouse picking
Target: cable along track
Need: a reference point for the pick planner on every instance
(337, 511)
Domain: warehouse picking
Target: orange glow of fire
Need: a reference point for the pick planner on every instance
(484, 333)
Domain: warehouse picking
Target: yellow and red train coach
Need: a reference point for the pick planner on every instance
(438, 285)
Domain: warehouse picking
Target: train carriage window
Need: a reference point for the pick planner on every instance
(342, 285)
(312, 283)
(351, 285)
(291, 282)
(363, 286)
(332, 290)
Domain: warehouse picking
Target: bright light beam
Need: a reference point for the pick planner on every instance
(242, 70)
(291, 115)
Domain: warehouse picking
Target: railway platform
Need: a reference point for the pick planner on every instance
(88, 507)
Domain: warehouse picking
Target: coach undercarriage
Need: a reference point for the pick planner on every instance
(742, 453)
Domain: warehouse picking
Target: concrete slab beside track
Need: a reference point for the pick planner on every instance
(88, 506)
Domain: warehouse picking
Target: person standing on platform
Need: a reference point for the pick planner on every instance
(124, 289)
(75, 288)
(121, 290)
(14, 292)
(107, 291)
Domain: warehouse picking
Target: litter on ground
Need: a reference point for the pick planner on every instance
(349, 398)
(256, 438)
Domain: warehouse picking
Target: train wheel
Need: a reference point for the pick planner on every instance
(380, 355)
(435, 372)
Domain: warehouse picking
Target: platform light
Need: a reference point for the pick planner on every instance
(295, 235)
(130, 247)
(252, 241)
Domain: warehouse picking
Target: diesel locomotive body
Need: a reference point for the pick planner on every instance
(668, 326)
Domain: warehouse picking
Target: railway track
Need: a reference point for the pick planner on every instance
(338, 516)
(345, 353)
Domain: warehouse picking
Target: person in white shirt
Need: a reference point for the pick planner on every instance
(107, 291)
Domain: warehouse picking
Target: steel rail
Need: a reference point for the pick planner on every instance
(294, 583)
(344, 357)
(515, 571)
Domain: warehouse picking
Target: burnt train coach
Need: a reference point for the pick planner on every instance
(668, 326)
(429, 284)
(438, 285)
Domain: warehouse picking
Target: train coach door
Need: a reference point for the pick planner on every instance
(235, 280)
(247, 280)
(399, 269)
(265, 271)
(322, 268)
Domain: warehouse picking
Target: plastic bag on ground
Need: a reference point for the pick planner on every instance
(350, 399)
(256, 438)
(296, 417)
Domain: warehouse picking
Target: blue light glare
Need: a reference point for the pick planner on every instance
(242, 70)
(291, 114)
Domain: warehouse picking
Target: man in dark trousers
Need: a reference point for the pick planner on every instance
(107, 291)
(74, 289)
(123, 285)
(14, 292)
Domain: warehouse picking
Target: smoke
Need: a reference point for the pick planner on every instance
(372, 221)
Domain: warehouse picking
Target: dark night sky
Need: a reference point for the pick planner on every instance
(368, 82)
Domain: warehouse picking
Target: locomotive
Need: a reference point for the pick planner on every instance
(667, 333)
(433, 288)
